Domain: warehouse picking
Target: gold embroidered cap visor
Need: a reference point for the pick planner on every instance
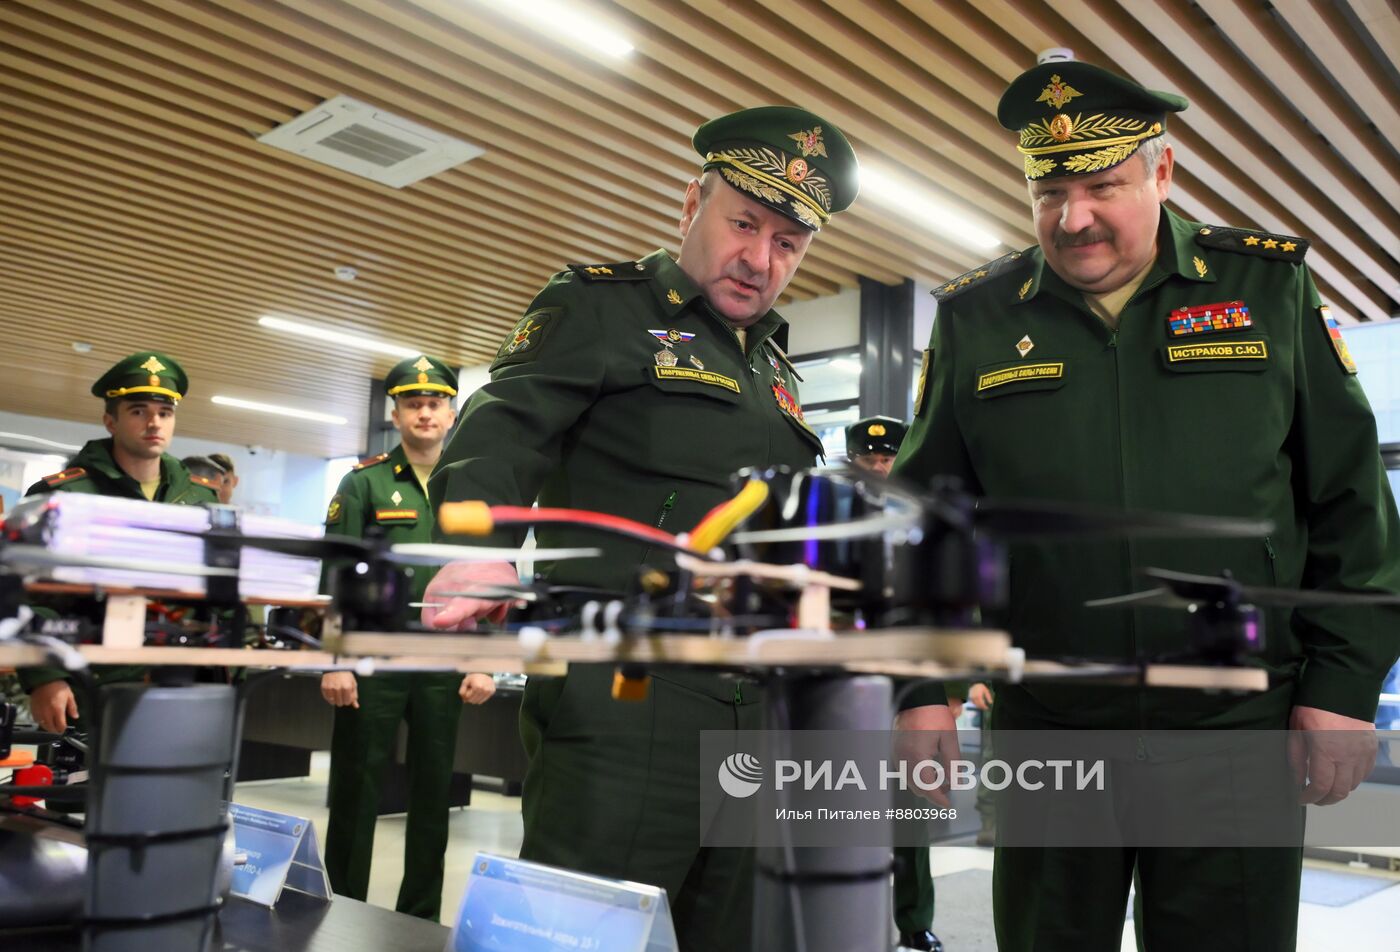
(1076, 119)
(421, 376)
(148, 375)
(794, 162)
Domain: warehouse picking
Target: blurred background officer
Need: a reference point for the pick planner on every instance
(385, 494)
(139, 394)
(230, 479)
(871, 445)
(637, 389)
(1061, 372)
(206, 472)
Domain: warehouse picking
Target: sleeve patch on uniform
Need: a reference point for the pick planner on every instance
(523, 343)
(923, 381)
(335, 511)
(1334, 334)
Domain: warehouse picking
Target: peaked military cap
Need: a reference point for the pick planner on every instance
(877, 434)
(149, 375)
(421, 376)
(1075, 118)
(791, 160)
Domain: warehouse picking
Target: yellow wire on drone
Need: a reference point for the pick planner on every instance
(721, 521)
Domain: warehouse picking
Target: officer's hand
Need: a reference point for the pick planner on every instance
(927, 733)
(52, 705)
(1333, 753)
(980, 696)
(449, 613)
(340, 689)
(477, 688)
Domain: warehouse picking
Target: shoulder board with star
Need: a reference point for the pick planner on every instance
(621, 271)
(204, 481)
(1250, 242)
(369, 461)
(979, 275)
(67, 476)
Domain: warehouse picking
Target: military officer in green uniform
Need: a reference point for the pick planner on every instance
(1140, 359)
(139, 394)
(872, 445)
(387, 493)
(637, 388)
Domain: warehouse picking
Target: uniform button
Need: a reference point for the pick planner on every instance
(1205, 231)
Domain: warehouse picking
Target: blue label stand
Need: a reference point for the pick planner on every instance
(515, 905)
(280, 852)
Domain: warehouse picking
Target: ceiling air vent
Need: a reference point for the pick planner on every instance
(366, 141)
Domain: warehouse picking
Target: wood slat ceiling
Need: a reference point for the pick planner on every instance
(136, 209)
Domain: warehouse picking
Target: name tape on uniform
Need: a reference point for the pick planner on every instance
(1026, 372)
(699, 376)
(1225, 350)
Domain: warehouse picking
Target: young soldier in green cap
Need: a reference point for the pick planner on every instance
(386, 493)
(139, 394)
(1139, 359)
(637, 388)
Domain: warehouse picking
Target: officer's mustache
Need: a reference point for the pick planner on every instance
(1081, 238)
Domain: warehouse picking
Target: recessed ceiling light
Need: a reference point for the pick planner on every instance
(346, 273)
(296, 412)
(334, 335)
(81, 347)
(918, 205)
(567, 22)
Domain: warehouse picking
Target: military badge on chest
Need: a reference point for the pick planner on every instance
(666, 356)
(1209, 319)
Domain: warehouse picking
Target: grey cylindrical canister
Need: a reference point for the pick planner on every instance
(157, 821)
(825, 899)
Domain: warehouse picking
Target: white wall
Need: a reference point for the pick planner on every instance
(924, 306)
(826, 323)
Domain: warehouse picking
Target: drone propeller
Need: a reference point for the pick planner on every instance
(1031, 520)
(1184, 589)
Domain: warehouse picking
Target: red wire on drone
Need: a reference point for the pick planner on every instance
(471, 518)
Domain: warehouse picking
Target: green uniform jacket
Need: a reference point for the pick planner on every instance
(93, 471)
(579, 412)
(384, 491)
(1263, 421)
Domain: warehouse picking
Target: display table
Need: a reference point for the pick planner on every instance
(297, 924)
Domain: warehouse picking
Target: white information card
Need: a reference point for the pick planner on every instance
(529, 907)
